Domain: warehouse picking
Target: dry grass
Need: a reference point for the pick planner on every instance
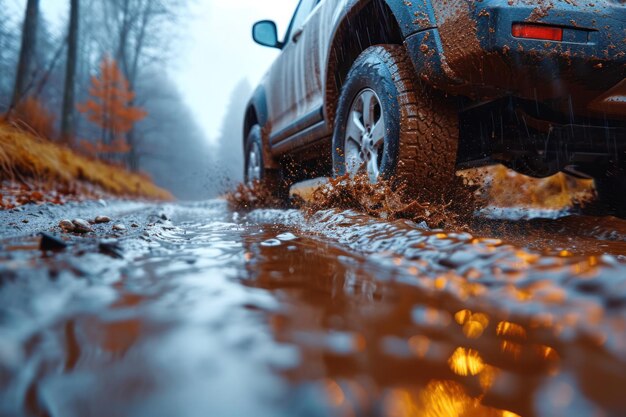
(25, 156)
(34, 116)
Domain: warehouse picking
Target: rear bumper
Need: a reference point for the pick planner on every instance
(473, 52)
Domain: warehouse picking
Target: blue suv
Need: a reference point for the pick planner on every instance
(411, 91)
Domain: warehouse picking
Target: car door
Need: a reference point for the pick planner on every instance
(286, 91)
(311, 60)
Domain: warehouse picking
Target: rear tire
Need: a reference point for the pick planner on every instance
(255, 167)
(420, 125)
(611, 192)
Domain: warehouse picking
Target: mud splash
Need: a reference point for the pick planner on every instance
(538, 214)
(379, 200)
(253, 196)
(495, 192)
(383, 200)
(505, 188)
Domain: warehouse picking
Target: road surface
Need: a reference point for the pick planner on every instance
(195, 310)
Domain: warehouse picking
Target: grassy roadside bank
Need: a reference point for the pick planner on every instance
(34, 170)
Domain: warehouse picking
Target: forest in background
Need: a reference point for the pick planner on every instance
(103, 88)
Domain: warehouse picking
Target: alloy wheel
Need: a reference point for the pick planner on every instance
(365, 136)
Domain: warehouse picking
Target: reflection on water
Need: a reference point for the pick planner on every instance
(466, 362)
(439, 398)
(272, 315)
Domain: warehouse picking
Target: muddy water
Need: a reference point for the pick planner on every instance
(214, 313)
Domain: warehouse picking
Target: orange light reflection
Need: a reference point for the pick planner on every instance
(439, 398)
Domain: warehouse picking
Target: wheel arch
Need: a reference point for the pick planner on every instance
(256, 112)
(392, 22)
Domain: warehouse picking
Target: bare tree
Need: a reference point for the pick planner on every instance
(138, 25)
(9, 51)
(137, 34)
(67, 117)
(27, 51)
(140, 32)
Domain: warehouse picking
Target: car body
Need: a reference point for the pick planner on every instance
(537, 85)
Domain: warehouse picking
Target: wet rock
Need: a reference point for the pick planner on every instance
(51, 243)
(271, 242)
(615, 302)
(285, 237)
(67, 226)
(119, 228)
(590, 286)
(102, 219)
(111, 248)
(81, 226)
(459, 259)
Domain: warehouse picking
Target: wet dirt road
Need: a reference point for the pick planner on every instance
(199, 311)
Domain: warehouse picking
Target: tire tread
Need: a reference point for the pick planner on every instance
(428, 128)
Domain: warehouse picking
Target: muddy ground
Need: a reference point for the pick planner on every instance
(195, 310)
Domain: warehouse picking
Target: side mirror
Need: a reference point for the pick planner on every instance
(265, 33)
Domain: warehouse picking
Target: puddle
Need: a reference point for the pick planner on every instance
(273, 313)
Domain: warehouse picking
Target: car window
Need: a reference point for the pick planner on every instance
(302, 12)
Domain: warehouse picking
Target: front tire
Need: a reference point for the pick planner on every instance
(416, 146)
(256, 172)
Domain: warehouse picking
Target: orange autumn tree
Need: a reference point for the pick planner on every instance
(110, 108)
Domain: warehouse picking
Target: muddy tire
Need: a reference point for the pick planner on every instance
(420, 125)
(255, 167)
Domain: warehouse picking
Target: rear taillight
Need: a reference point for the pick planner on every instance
(541, 32)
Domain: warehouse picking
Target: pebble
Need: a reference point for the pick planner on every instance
(119, 227)
(102, 219)
(81, 226)
(67, 226)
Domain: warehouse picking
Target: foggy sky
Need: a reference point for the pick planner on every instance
(221, 53)
(215, 50)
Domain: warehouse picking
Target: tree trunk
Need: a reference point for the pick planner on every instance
(131, 136)
(27, 51)
(133, 154)
(67, 118)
